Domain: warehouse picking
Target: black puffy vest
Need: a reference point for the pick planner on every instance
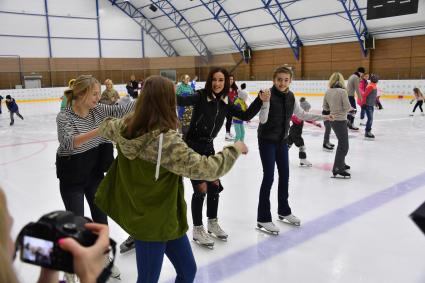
(281, 109)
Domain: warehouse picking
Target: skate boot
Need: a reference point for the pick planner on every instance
(353, 128)
(268, 227)
(127, 245)
(331, 144)
(305, 162)
(12, 122)
(70, 278)
(201, 237)
(411, 115)
(341, 174)
(369, 136)
(215, 229)
(115, 272)
(229, 137)
(347, 167)
(291, 219)
(328, 147)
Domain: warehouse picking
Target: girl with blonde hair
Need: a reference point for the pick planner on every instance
(337, 103)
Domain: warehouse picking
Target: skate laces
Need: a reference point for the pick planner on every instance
(200, 233)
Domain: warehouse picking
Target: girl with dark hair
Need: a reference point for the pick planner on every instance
(210, 107)
(143, 190)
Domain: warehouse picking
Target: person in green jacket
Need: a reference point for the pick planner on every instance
(143, 189)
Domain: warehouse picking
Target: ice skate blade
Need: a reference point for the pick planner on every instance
(369, 139)
(341, 177)
(328, 150)
(125, 250)
(262, 229)
(224, 239)
(306, 165)
(283, 220)
(211, 247)
(116, 277)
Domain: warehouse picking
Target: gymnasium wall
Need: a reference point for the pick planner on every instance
(393, 89)
(396, 58)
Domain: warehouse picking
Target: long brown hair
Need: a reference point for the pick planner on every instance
(7, 274)
(155, 108)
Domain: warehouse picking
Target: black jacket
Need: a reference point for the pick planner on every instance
(209, 114)
(280, 113)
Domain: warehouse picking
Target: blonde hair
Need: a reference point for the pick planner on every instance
(7, 274)
(108, 81)
(336, 80)
(80, 87)
(183, 77)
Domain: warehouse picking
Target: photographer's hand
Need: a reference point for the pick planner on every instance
(89, 262)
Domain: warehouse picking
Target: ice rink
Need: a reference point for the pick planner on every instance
(355, 230)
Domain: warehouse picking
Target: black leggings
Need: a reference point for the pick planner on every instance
(418, 104)
(212, 192)
(73, 197)
(229, 119)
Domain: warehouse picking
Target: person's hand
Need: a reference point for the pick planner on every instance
(329, 117)
(89, 262)
(318, 124)
(265, 95)
(241, 146)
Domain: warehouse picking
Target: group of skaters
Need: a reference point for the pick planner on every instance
(159, 143)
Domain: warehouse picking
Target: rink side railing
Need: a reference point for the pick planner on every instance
(388, 89)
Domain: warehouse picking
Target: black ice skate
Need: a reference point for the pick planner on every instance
(369, 136)
(127, 245)
(328, 147)
(268, 228)
(341, 174)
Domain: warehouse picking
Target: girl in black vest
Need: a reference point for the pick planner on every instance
(210, 107)
(272, 143)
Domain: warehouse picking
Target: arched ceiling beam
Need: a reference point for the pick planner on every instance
(355, 17)
(183, 25)
(146, 25)
(221, 16)
(285, 25)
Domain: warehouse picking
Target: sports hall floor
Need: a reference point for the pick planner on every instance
(355, 230)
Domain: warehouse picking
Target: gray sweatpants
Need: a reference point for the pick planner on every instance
(341, 132)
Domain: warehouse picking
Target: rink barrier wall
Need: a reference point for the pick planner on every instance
(389, 89)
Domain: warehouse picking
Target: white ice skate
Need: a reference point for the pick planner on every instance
(115, 272)
(290, 219)
(268, 227)
(215, 230)
(229, 137)
(201, 237)
(70, 278)
(305, 162)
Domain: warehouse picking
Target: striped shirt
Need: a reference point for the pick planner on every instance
(70, 125)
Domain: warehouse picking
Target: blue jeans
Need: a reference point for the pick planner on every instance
(271, 153)
(240, 131)
(363, 112)
(369, 114)
(149, 256)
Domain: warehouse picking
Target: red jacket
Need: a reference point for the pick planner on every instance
(370, 87)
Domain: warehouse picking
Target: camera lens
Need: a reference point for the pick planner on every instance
(70, 227)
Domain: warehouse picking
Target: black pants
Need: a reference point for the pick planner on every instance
(79, 175)
(418, 104)
(229, 119)
(73, 197)
(327, 132)
(295, 137)
(350, 117)
(341, 132)
(213, 190)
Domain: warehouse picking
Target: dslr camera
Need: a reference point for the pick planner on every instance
(38, 242)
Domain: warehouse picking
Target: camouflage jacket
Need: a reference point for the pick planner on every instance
(143, 190)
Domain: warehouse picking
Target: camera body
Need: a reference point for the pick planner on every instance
(38, 242)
